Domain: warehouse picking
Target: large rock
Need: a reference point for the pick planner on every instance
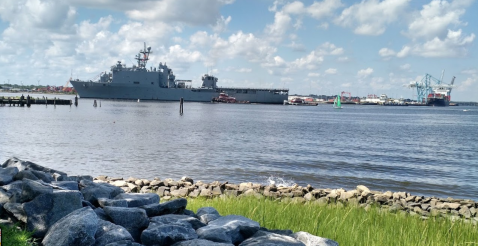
(4, 196)
(26, 165)
(201, 242)
(6, 175)
(108, 233)
(206, 210)
(178, 219)
(229, 229)
(137, 200)
(92, 191)
(76, 229)
(14, 191)
(263, 238)
(103, 202)
(167, 234)
(133, 219)
(311, 240)
(25, 174)
(32, 189)
(45, 177)
(176, 206)
(66, 185)
(46, 209)
(16, 209)
(124, 243)
(206, 218)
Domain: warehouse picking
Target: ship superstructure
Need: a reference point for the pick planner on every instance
(160, 83)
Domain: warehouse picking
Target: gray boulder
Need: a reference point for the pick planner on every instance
(4, 196)
(109, 233)
(103, 202)
(14, 191)
(66, 185)
(124, 243)
(206, 210)
(45, 177)
(230, 229)
(92, 191)
(176, 206)
(133, 219)
(101, 214)
(206, 218)
(6, 175)
(26, 165)
(201, 242)
(25, 174)
(137, 199)
(32, 189)
(74, 178)
(263, 238)
(16, 209)
(311, 240)
(178, 219)
(167, 234)
(77, 228)
(46, 209)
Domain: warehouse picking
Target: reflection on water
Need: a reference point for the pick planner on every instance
(423, 150)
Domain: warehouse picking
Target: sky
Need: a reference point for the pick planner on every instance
(311, 47)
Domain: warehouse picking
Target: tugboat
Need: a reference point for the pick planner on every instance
(224, 98)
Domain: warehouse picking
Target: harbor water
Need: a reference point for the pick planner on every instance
(430, 151)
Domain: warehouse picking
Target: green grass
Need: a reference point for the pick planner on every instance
(11, 236)
(348, 225)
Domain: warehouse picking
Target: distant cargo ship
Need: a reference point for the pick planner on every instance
(138, 82)
(440, 95)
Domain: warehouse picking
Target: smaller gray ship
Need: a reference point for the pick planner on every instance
(138, 82)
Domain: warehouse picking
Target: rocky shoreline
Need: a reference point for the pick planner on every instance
(80, 210)
(401, 202)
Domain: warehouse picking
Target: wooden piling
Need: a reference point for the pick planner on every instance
(181, 106)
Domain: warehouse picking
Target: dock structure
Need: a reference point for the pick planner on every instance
(22, 101)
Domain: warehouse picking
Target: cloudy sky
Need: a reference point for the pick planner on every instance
(311, 47)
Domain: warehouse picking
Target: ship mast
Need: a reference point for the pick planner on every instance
(143, 56)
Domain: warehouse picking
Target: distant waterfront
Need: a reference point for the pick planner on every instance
(422, 150)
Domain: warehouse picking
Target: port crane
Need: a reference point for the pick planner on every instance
(429, 86)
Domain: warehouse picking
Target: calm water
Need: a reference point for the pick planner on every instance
(422, 150)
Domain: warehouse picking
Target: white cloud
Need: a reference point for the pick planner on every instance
(435, 18)
(454, 45)
(386, 52)
(331, 71)
(328, 48)
(317, 10)
(278, 29)
(343, 59)
(405, 66)
(324, 26)
(313, 74)
(192, 12)
(243, 70)
(371, 17)
(403, 52)
(221, 24)
(180, 58)
(364, 73)
(433, 32)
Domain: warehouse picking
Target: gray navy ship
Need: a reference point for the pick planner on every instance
(138, 82)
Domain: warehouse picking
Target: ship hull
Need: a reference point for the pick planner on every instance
(134, 92)
(439, 102)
